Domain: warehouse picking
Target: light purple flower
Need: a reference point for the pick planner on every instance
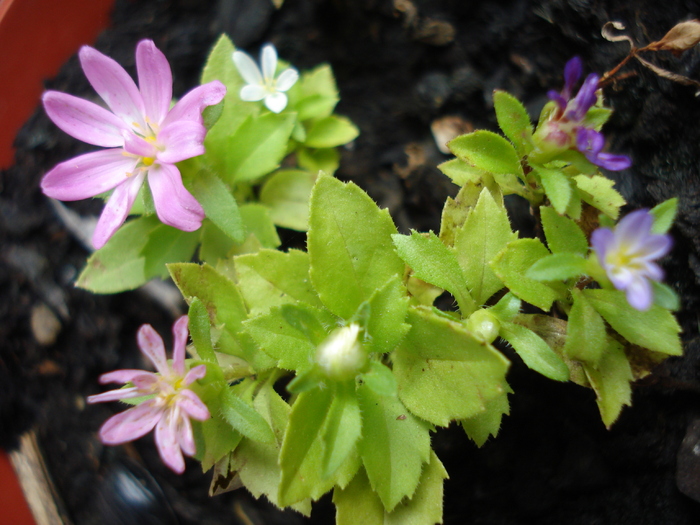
(565, 127)
(262, 85)
(627, 255)
(168, 410)
(145, 137)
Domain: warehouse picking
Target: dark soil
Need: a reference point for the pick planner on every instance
(399, 66)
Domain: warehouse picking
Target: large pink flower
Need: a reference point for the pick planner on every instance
(145, 137)
(171, 404)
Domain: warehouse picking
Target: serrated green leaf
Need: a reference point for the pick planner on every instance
(665, 296)
(387, 312)
(291, 333)
(586, 338)
(535, 352)
(200, 331)
(558, 267)
(119, 265)
(506, 308)
(342, 428)
(436, 264)
(394, 446)
(487, 151)
(214, 438)
(287, 194)
(460, 172)
(510, 266)
(257, 220)
(664, 214)
(485, 424)
(513, 120)
(315, 95)
(326, 160)
(456, 210)
(598, 191)
(656, 329)
(557, 186)
(611, 382)
(165, 245)
(330, 132)
(563, 235)
(218, 203)
(484, 234)
(244, 418)
(444, 373)
(380, 379)
(349, 244)
(272, 278)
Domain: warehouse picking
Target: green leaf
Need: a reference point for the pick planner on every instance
(244, 418)
(388, 308)
(558, 267)
(485, 424)
(349, 246)
(291, 334)
(665, 297)
(326, 160)
(596, 117)
(342, 429)
(444, 373)
(460, 172)
(557, 186)
(215, 244)
(256, 148)
(212, 114)
(257, 220)
(394, 446)
(330, 132)
(611, 382)
(487, 151)
(586, 338)
(436, 264)
(287, 194)
(506, 308)
(656, 329)
(167, 245)
(272, 278)
(484, 234)
(513, 120)
(380, 379)
(563, 234)
(456, 210)
(119, 264)
(200, 331)
(664, 214)
(315, 95)
(218, 203)
(510, 266)
(598, 191)
(214, 438)
(535, 352)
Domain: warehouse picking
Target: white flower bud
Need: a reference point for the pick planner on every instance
(341, 355)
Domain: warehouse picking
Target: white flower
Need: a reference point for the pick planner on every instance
(262, 85)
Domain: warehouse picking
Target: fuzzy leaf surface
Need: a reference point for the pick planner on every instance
(487, 151)
(513, 120)
(535, 352)
(611, 382)
(287, 194)
(563, 235)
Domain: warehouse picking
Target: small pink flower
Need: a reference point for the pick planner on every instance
(171, 407)
(145, 137)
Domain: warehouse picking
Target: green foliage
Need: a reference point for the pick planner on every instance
(487, 151)
(513, 120)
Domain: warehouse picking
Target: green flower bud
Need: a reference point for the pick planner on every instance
(484, 325)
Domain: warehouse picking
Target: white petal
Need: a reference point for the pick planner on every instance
(276, 102)
(247, 68)
(268, 59)
(287, 79)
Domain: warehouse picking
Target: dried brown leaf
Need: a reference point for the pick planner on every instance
(680, 38)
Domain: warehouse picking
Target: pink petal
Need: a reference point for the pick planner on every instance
(175, 205)
(122, 376)
(131, 424)
(184, 435)
(88, 175)
(151, 345)
(84, 120)
(181, 140)
(115, 395)
(192, 405)
(167, 442)
(114, 85)
(180, 334)
(117, 208)
(198, 372)
(137, 146)
(155, 80)
(190, 106)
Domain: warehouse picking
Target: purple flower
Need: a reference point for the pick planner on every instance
(565, 128)
(170, 406)
(144, 136)
(628, 253)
